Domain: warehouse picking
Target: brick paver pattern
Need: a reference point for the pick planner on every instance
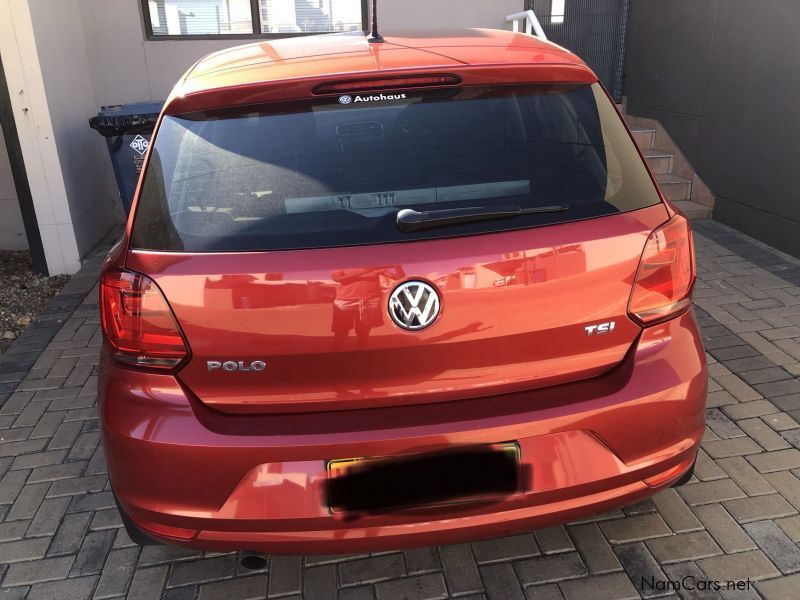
(61, 536)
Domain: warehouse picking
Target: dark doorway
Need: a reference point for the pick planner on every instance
(595, 30)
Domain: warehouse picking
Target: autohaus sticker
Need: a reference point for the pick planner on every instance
(347, 99)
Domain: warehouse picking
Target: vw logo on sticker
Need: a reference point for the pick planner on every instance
(140, 144)
(345, 99)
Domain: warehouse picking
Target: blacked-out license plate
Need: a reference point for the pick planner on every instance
(379, 485)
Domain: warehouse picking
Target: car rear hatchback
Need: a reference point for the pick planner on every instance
(397, 294)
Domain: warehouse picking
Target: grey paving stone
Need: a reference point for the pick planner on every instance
(92, 554)
(780, 422)
(778, 388)
(597, 554)
(706, 469)
(747, 410)
(28, 501)
(11, 484)
(776, 461)
(21, 447)
(253, 587)
(781, 588)
(745, 476)
(708, 492)
(13, 530)
(187, 592)
(640, 508)
(771, 506)
(460, 570)
(78, 588)
(689, 582)
(48, 517)
(549, 591)
(721, 424)
(763, 435)
(507, 548)
(202, 570)
(148, 583)
(77, 485)
(638, 561)
(783, 553)
(156, 555)
(69, 535)
(356, 572)
(319, 583)
(418, 587)
(737, 567)
(635, 528)
(22, 550)
(787, 485)
(739, 446)
(36, 571)
(362, 592)
(600, 587)
(553, 539)
(683, 547)
(677, 515)
(547, 569)
(117, 573)
(501, 583)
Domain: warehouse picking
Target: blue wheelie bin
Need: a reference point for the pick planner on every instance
(127, 129)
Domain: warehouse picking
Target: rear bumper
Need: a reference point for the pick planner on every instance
(194, 477)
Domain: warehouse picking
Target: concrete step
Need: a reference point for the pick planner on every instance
(660, 162)
(645, 138)
(693, 210)
(674, 187)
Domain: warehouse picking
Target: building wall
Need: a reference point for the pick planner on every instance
(86, 167)
(723, 78)
(12, 230)
(35, 129)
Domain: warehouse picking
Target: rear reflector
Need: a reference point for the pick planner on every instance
(390, 83)
(666, 274)
(137, 322)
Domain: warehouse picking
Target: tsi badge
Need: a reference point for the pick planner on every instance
(232, 366)
(600, 328)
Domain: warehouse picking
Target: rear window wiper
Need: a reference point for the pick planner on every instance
(409, 220)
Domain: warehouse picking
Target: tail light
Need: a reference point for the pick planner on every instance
(138, 323)
(666, 274)
(386, 83)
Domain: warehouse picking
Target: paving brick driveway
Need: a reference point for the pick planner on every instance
(60, 535)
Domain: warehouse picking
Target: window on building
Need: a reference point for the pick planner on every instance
(557, 11)
(251, 18)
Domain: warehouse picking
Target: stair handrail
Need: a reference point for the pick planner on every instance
(532, 24)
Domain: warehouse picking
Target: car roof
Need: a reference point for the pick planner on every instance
(342, 55)
(318, 55)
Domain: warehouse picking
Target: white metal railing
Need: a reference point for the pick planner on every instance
(532, 25)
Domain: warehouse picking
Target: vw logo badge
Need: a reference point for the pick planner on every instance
(345, 99)
(414, 305)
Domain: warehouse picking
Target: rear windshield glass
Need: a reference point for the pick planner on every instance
(336, 171)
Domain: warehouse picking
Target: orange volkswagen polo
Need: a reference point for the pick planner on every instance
(387, 293)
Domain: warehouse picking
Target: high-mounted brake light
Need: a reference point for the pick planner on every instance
(138, 324)
(390, 83)
(666, 274)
